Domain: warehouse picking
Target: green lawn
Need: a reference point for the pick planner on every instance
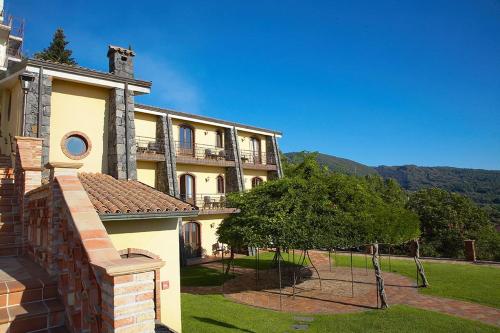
(215, 314)
(474, 283)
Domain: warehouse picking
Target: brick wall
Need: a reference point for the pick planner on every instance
(101, 291)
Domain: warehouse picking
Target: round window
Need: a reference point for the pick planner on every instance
(75, 145)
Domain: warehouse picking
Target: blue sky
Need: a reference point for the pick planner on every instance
(379, 82)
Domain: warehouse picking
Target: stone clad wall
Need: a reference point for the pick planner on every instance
(234, 175)
(32, 113)
(121, 137)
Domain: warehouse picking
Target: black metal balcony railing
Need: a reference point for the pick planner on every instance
(202, 151)
(207, 201)
(146, 145)
(251, 157)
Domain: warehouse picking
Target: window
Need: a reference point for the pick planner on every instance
(192, 239)
(256, 181)
(75, 145)
(186, 140)
(187, 188)
(220, 184)
(186, 137)
(255, 146)
(218, 139)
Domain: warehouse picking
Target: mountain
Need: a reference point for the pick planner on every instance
(482, 186)
(338, 164)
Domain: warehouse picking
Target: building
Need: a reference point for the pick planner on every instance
(101, 197)
(11, 38)
(200, 160)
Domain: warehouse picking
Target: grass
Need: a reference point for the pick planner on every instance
(202, 276)
(215, 314)
(467, 282)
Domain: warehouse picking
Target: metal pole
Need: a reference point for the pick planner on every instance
(352, 279)
(366, 264)
(279, 273)
(222, 251)
(330, 259)
(390, 267)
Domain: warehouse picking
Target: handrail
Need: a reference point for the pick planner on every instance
(252, 157)
(208, 201)
(203, 151)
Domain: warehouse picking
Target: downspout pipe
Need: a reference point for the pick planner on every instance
(40, 110)
(127, 143)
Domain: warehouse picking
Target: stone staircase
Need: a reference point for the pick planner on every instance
(10, 230)
(29, 300)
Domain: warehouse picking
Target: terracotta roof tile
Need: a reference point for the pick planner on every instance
(113, 196)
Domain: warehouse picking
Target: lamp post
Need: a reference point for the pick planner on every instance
(26, 80)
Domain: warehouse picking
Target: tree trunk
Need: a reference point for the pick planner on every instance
(380, 279)
(420, 267)
(230, 261)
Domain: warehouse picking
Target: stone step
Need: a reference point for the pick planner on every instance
(8, 227)
(10, 250)
(32, 317)
(31, 290)
(9, 238)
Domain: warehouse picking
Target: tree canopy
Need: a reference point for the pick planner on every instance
(57, 50)
(447, 219)
(314, 208)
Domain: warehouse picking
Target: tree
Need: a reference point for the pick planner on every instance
(57, 50)
(447, 219)
(315, 208)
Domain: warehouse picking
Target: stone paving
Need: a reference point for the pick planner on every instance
(337, 293)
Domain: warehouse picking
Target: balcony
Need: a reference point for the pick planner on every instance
(149, 149)
(210, 203)
(202, 154)
(257, 161)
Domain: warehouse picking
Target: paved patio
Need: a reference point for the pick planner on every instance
(337, 293)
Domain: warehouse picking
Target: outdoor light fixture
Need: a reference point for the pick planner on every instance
(26, 80)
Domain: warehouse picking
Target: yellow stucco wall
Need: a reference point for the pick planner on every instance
(160, 237)
(203, 133)
(249, 174)
(202, 173)
(145, 125)
(11, 127)
(83, 108)
(209, 225)
(146, 172)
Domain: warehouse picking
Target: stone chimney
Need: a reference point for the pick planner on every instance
(121, 61)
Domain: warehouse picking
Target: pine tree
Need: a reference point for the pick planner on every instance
(57, 51)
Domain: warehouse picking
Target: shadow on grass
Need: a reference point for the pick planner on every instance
(221, 324)
(199, 276)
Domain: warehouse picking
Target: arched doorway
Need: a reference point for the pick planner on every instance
(134, 253)
(192, 239)
(187, 188)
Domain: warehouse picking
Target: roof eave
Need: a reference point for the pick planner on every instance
(215, 120)
(147, 216)
(85, 72)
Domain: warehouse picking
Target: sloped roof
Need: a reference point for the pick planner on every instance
(129, 198)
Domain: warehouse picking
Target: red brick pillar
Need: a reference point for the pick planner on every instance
(28, 176)
(470, 250)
